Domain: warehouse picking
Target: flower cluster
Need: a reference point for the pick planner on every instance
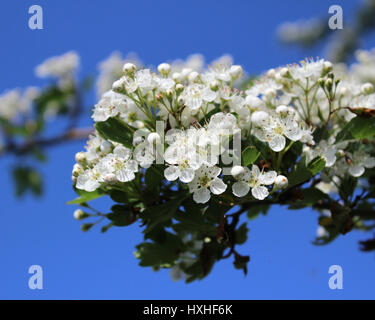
(299, 108)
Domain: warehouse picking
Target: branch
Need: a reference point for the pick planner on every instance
(26, 147)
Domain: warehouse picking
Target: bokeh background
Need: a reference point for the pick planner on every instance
(284, 263)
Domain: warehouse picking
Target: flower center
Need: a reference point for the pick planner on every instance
(204, 181)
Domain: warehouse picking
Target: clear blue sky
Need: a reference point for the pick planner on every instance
(284, 264)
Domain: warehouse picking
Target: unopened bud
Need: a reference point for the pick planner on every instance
(193, 76)
(80, 157)
(164, 69)
(214, 85)
(79, 214)
(129, 68)
(284, 72)
(281, 182)
(86, 226)
(235, 72)
(179, 88)
(367, 88)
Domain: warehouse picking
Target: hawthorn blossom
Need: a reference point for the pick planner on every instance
(205, 181)
(275, 129)
(195, 95)
(255, 180)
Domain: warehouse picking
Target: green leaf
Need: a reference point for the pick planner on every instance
(309, 197)
(161, 213)
(255, 209)
(85, 196)
(357, 128)
(153, 178)
(121, 216)
(303, 173)
(115, 130)
(162, 254)
(27, 179)
(249, 155)
(241, 233)
(316, 165)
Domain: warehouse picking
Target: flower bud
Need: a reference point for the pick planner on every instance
(79, 214)
(86, 226)
(367, 88)
(164, 69)
(77, 169)
(235, 72)
(281, 182)
(119, 85)
(271, 73)
(327, 67)
(169, 93)
(321, 82)
(237, 171)
(328, 84)
(80, 157)
(258, 117)
(129, 68)
(284, 72)
(282, 110)
(179, 88)
(214, 85)
(193, 76)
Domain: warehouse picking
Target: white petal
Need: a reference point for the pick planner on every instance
(255, 172)
(187, 175)
(208, 95)
(202, 195)
(369, 162)
(125, 175)
(132, 165)
(330, 157)
(217, 186)
(268, 177)
(259, 192)
(356, 171)
(240, 189)
(293, 133)
(277, 143)
(171, 173)
(122, 152)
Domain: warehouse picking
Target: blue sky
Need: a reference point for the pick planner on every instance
(284, 264)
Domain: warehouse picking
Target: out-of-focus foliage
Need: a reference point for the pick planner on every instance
(340, 43)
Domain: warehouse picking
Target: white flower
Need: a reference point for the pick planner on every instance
(90, 179)
(274, 129)
(206, 181)
(120, 164)
(195, 95)
(357, 163)
(143, 79)
(62, 67)
(110, 105)
(254, 180)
